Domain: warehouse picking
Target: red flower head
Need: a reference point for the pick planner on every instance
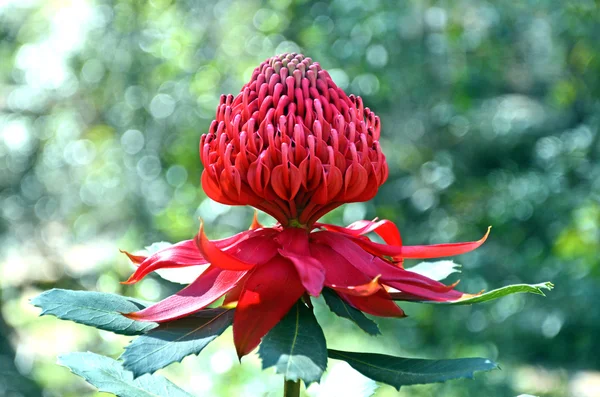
(294, 145)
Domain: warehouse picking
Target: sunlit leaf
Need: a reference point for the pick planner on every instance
(109, 376)
(399, 371)
(96, 309)
(296, 346)
(501, 292)
(172, 341)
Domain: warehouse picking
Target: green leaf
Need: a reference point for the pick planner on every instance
(343, 309)
(296, 346)
(172, 341)
(109, 376)
(99, 310)
(436, 270)
(398, 371)
(500, 292)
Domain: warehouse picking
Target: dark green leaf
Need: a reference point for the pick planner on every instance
(296, 346)
(435, 270)
(109, 376)
(398, 371)
(343, 309)
(500, 292)
(171, 342)
(95, 309)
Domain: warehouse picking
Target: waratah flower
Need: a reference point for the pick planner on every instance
(295, 146)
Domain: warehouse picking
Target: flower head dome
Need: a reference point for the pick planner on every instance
(292, 144)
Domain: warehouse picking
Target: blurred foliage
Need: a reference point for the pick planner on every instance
(490, 116)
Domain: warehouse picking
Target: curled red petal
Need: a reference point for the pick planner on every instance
(210, 286)
(422, 251)
(269, 293)
(379, 304)
(182, 254)
(386, 229)
(136, 259)
(216, 256)
(371, 266)
(294, 242)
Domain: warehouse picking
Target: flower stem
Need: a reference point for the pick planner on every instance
(291, 388)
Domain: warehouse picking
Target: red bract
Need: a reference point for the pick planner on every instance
(295, 146)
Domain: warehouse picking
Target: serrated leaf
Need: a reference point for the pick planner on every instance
(96, 309)
(438, 270)
(343, 309)
(172, 341)
(109, 376)
(399, 371)
(500, 292)
(296, 346)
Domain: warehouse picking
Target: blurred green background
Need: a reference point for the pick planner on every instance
(490, 115)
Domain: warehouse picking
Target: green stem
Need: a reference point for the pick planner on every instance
(291, 388)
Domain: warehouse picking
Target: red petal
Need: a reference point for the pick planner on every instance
(373, 266)
(216, 256)
(270, 292)
(286, 183)
(377, 305)
(206, 289)
(366, 289)
(182, 254)
(255, 223)
(234, 294)
(294, 242)
(136, 259)
(387, 230)
(260, 247)
(340, 272)
(355, 181)
(421, 251)
(213, 190)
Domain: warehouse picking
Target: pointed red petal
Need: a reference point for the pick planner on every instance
(294, 242)
(387, 230)
(371, 266)
(421, 251)
(255, 223)
(377, 305)
(136, 259)
(270, 292)
(366, 289)
(216, 256)
(182, 254)
(206, 289)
